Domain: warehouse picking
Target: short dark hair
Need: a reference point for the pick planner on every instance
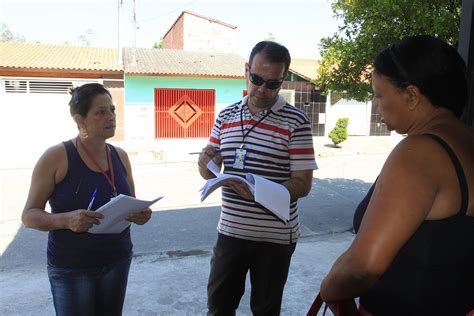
(274, 52)
(82, 96)
(429, 63)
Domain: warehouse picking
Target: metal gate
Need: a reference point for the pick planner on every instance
(184, 113)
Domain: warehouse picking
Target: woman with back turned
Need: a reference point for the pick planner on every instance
(414, 249)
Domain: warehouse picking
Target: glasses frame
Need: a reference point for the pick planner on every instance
(271, 84)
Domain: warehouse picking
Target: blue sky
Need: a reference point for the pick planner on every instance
(298, 24)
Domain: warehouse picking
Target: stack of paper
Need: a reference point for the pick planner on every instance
(115, 211)
(273, 196)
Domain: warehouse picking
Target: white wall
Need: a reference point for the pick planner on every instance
(358, 114)
(31, 123)
(139, 122)
(202, 35)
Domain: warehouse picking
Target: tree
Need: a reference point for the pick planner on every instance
(371, 25)
(158, 45)
(6, 35)
(86, 39)
(270, 37)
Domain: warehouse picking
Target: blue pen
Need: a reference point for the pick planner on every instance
(92, 199)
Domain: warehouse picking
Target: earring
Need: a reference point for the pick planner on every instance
(83, 133)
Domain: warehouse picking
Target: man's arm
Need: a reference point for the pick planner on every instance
(299, 184)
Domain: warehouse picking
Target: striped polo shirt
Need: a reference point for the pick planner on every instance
(279, 142)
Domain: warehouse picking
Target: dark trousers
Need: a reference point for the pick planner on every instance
(268, 264)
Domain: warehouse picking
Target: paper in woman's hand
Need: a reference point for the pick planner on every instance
(114, 212)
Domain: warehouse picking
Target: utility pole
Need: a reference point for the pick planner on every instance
(119, 48)
(134, 25)
(466, 50)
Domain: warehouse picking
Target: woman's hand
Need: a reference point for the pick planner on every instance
(80, 221)
(139, 218)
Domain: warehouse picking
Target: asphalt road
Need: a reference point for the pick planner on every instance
(190, 228)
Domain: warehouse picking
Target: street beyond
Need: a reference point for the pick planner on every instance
(172, 252)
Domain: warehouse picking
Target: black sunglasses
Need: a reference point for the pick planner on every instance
(271, 84)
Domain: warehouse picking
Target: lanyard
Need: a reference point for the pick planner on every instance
(109, 164)
(252, 127)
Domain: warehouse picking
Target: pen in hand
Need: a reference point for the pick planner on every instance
(216, 151)
(92, 199)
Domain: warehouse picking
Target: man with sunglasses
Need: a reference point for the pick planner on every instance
(264, 135)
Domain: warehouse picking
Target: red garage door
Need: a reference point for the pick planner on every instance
(184, 113)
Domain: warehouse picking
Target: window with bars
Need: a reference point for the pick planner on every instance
(37, 86)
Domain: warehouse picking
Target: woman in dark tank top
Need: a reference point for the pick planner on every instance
(88, 273)
(414, 249)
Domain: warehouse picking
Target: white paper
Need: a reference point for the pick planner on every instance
(213, 167)
(115, 211)
(271, 195)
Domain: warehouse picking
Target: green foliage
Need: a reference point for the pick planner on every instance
(158, 45)
(86, 38)
(371, 25)
(270, 37)
(6, 35)
(339, 132)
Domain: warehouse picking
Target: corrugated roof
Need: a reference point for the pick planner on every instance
(306, 68)
(64, 57)
(148, 61)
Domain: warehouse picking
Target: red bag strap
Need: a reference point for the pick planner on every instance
(316, 306)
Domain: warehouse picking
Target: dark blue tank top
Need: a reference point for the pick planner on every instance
(67, 249)
(432, 273)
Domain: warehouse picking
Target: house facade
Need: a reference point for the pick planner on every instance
(35, 80)
(172, 98)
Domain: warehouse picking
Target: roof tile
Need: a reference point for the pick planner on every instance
(64, 57)
(306, 68)
(170, 62)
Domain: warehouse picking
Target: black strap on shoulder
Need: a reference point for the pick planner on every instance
(459, 172)
(71, 152)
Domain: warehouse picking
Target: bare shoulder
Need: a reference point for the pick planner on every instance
(122, 153)
(416, 151)
(54, 154)
(53, 162)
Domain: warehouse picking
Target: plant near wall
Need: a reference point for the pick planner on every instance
(339, 132)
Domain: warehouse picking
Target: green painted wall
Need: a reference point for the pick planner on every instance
(141, 88)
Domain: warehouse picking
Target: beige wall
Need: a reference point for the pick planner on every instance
(204, 35)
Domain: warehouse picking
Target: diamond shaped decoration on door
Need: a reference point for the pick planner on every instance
(185, 111)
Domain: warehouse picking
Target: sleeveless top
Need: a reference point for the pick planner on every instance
(433, 273)
(67, 249)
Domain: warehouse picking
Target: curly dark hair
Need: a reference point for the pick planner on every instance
(82, 96)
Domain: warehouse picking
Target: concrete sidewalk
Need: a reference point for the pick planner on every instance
(177, 286)
(174, 282)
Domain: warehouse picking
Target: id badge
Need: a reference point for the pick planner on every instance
(239, 159)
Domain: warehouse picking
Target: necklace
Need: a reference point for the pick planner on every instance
(109, 164)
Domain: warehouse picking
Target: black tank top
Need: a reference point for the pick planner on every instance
(432, 273)
(67, 249)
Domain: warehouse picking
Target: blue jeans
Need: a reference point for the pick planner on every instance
(89, 291)
(268, 264)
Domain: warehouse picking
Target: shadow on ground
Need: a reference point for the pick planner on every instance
(327, 209)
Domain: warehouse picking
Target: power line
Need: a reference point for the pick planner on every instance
(167, 13)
